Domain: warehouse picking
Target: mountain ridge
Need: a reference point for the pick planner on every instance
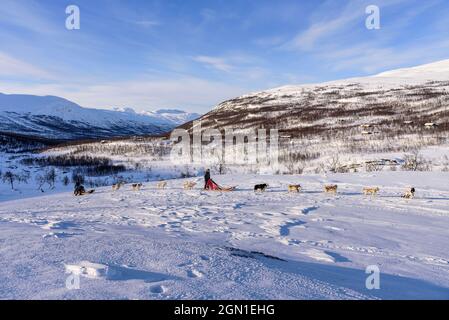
(59, 118)
(384, 113)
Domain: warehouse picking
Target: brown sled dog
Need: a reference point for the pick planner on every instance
(330, 188)
(117, 186)
(294, 188)
(161, 184)
(189, 185)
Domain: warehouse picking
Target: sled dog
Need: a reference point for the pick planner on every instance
(161, 184)
(188, 185)
(409, 194)
(260, 187)
(117, 186)
(136, 186)
(294, 188)
(330, 188)
(370, 191)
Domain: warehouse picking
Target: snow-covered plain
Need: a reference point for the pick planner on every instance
(177, 244)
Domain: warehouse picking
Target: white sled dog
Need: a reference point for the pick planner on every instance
(161, 184)
(330, 188)
(370, 191)
(188, 185)
(136, 186)
(409, 194)
(117, 186)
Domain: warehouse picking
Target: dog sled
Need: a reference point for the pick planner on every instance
(81, 191)
(211, 185)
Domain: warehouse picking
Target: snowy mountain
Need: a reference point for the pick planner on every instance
(176, 116)
(374, 99)
(382, 113)
(436, 71)
(58, 118)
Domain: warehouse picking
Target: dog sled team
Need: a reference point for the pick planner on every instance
(211, 185)
(332, 189)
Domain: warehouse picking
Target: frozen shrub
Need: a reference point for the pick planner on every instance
(373, 166)
(104, 170)
(186, 173)
(77, 178)
(10, 177)
(50, 177)
(333, 164)
(67, 160)
(65, 181)
(415, 162)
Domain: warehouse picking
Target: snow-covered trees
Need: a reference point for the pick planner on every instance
(10, 177)
(414, 161)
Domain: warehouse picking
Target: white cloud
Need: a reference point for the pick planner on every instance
(370, 59)
(236, 65)
(188, 93)
(326, 27)
(10, 66)
(30, 15)
(147, 23)
(214, 62)
(330, 28)
(307, 39)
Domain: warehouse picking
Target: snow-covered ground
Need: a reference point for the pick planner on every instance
(177, 244)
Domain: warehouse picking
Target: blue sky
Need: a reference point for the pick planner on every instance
(194, 54)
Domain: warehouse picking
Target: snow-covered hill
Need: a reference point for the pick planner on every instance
(381, 113)
(436, 71)
(176, 117)
(295, 107)
(58, 118)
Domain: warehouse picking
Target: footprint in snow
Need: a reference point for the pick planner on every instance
(284, 229)
(58, 235)
(309, 209)
(157, 289)
(186, 264)
(194, 273)
(238, 206)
